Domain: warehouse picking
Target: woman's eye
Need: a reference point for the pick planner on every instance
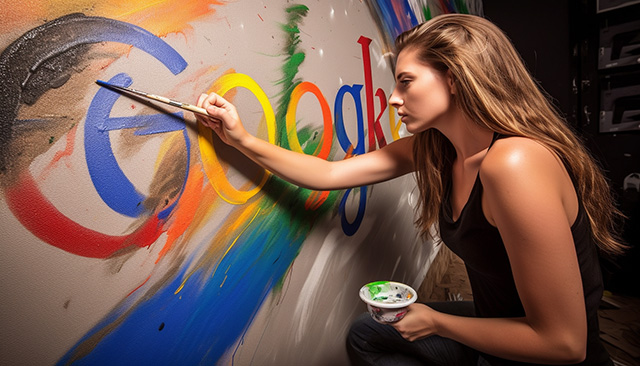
(405, 82)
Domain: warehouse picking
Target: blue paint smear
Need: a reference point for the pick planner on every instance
(209, 314)
(146, 124)
(110, 182)
(391, 20)
(113, 186)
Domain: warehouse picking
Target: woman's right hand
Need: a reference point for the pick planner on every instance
(223, 118)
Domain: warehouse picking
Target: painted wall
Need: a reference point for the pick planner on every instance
(131, 235)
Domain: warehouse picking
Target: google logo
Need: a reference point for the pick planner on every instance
(40, 217)
(227, 82)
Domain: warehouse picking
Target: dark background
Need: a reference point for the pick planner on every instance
(560, 44)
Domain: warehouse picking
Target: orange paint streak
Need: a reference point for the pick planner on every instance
(249, 210)
(207, 205)
(185, 210)
(160, 17)
(315, 200)
(66, 152)
(243, 217)
(14, 15)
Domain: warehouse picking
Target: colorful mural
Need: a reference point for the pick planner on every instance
(132, 235)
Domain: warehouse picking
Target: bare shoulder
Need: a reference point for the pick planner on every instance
(520, 155)
(520, 173)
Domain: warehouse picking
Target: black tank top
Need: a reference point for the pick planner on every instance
(480, 246)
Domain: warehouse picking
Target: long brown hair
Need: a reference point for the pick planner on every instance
(496, 91)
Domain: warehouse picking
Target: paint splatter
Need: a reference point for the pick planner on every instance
(222, 288)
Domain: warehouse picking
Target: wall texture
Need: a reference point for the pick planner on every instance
(131, 235)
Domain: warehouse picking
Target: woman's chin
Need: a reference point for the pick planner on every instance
(413, 128)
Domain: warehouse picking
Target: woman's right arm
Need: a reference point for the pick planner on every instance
(304, 170)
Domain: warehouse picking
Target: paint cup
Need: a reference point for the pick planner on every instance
(387, 301)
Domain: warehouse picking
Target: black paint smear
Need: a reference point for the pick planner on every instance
(52, 73)
(41, 59)
(161, 327)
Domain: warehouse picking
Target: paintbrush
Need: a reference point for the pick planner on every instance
(158, 98)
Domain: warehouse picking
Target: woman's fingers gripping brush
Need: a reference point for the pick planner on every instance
(223, 118)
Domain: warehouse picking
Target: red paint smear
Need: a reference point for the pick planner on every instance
(136, 289)
(260, 17)
(38, 215)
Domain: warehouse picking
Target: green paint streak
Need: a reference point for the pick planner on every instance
(311, 138)
(51, 139)
(427, 12)
(295, 57)
(461, 6)
(283, 204)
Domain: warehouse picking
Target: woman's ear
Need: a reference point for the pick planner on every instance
(451, 81)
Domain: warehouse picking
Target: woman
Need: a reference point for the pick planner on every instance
(513, 191)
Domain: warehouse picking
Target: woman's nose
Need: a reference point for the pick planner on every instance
(394, 99)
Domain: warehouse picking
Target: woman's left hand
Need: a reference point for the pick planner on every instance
(417, 323)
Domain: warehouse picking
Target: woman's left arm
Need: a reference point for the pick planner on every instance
(529, 197)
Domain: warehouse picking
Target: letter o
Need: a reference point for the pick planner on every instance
(324, 148)
(210, 161)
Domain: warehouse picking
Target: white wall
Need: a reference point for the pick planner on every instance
(122, 248)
